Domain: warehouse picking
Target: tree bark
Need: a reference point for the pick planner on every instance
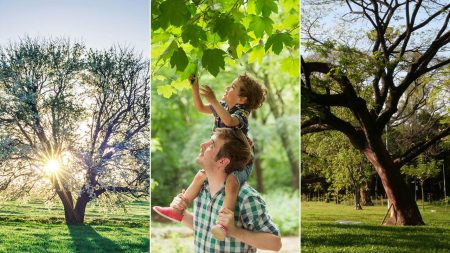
(365, 197)
(357, 199)
(423, 195)
(258, 170)
(80, 207)
(282, 132)
(69, 213)
(404, 210)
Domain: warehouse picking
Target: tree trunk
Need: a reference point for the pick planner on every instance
(365, 196)
(404, 209)
(257, 162)
(423, 195)
(293, 164)
(259, 175)
(69, 213)
(357, 199)
(80, 207)
(258, 170)
(283, 133)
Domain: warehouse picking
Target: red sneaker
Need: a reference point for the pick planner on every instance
(219, 232)
(169, 213)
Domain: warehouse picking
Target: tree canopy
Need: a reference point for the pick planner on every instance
(187, 35)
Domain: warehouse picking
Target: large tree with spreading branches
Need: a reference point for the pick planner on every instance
(385, 62)
(73, 123)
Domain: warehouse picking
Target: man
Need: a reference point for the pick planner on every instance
(227, 150)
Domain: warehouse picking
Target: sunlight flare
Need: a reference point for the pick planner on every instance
(52, 166)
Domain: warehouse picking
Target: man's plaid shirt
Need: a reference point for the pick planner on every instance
(250, 213)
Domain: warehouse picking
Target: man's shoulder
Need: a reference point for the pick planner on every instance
(247, 192)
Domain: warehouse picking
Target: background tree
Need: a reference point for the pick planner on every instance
(422, 171)
(371, 74)
(73, 122)
(343, 167)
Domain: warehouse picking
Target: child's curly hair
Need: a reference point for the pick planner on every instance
(253, 91)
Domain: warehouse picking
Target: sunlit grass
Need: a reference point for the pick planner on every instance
(321, 233)
(31, 227)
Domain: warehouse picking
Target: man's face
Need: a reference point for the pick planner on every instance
(208, 152)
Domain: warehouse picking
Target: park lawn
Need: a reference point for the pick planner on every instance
(321, 233)
(30, 227)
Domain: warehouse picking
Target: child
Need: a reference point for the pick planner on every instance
(243, 96)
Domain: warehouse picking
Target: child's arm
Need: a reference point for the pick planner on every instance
(196, 96)
(228, 119)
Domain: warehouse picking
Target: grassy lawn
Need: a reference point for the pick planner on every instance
(30, 227)
(321, 233)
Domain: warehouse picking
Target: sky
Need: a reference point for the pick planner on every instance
(98, 23)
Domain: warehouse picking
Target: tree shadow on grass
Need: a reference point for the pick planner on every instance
(86, 239)
(419, 238)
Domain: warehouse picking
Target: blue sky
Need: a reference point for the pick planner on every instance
(98, 23)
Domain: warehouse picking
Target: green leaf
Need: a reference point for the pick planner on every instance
(223, 25)
(237, 34)
(174, 12)
(158, 77)
(165, 90)
(266, 7)
(288, 5)
(257, 53)
(260, 25)
(190, 69)
(181, 84)
(291, 65)
(251, 7)
(239, 50)
(193, 34)
(227, 29)
(169, 50)
(213, 60)
(179, 59)
(277, 40)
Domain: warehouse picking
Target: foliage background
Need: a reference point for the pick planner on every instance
(265, 48)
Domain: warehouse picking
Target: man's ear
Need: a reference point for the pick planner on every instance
(223, 162)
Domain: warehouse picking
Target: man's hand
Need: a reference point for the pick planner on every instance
(226, 218)
(179, 202)
(208, 93)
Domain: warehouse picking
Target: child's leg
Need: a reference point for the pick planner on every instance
(196, 185)
(231, 192)
(189, 195)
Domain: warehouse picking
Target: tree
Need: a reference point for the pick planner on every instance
(338, 162)
(209, 34)
(423, 171)
(86, 112)
(371, 75)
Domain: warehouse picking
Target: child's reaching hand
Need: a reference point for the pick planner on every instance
(193, 80)
(208, 93)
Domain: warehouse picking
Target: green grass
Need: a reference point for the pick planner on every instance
(30, 227)
(321, 233)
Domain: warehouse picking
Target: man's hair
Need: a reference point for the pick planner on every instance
(253, 91)
(235, 147)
